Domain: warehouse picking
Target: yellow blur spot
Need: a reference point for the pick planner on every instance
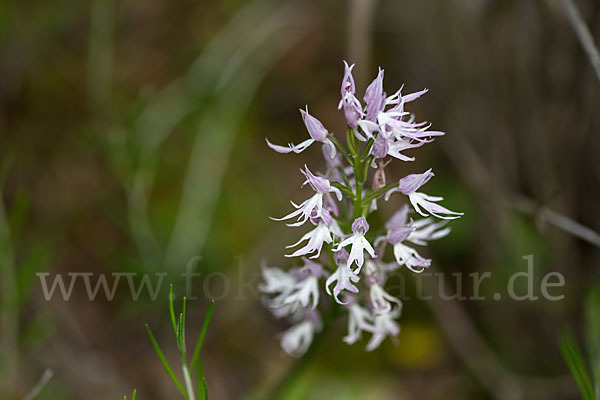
(419, 346)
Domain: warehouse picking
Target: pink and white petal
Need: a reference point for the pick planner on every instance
(329, 143)
(279, 149)
(337, 192)
(413, 96)
(390, 192)
(290, 215)
(299, 148)
(414, 200)
(369, 249)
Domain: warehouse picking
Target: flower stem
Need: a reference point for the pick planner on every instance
(357, 166)
(373, 195)
(188, 382)
(340, 148)
(357, 197)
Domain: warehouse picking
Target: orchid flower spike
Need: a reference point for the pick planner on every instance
(336, 249)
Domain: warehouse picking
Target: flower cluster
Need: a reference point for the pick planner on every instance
(341, 256)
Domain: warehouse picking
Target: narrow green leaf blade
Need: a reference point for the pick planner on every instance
(572, 356)
(205, 387)
(202, 334)
(171, 310)
(164, 362)
(182, 328)
(593, 337)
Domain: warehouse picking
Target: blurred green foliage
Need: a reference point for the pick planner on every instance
(132, 139)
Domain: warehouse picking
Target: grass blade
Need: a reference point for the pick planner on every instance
(165, 364)
(171, 310)
(182, 331)
(202, 334)
(593, 337)
(132, 395)
(205, 387)
(572, 356)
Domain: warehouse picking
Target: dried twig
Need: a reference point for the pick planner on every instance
(360, 34)
(46, 376)
(464, 338)
(474, 171)
(583, 34)
(560, 221)
(480, 359)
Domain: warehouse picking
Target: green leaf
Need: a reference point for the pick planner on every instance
(181, 335)
(202, 334)
(593, 337)
(572, 355)
(164, 362)
(171, 310)
(343, 189)
(365, 169)
(205, 387)
(341, 148)
(344, 177)
(373, 195)
(352, 143)
(367, 149)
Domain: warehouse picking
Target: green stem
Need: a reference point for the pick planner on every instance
(340, 148)
(358, 197)
(344, 177)
(367, 149)
(373, 195)
(343, 188)
(357, 167)
(188, 382)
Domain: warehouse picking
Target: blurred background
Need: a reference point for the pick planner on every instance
(132, 140)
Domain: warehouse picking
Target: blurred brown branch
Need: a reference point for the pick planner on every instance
(479, 357)
(44, 379)
(360, 37)
(474, 171)
(583, 34)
